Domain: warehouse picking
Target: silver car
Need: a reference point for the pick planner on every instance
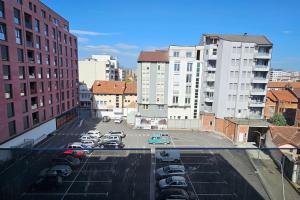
(88, 137)
(173, 182)
(61, 170)
(170, 170)
(168, 156)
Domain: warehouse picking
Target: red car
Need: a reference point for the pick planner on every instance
(75, 153)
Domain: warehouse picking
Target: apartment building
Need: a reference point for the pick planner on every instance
(184, 81)
(39, 75)
(235, 75)
(85, 96)
(276, 75)
(152, 89)
(113, 98)
(98, 67)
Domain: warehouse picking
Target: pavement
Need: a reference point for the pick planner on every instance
(271, 176)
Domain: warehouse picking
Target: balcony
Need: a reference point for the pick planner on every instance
(209, 99)
(33, 106)
(261, 68)
(259, 79)
(209, 89)
(7, 95)
(211, 68)
(262, 55)
(254, 115)
(210, 78)
(256, 104)
(258, 91)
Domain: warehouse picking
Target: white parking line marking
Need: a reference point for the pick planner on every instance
(197, 163)
(188, 177)
(195, 156)
(96, 170)
(215, 194)
(172, 142)
(76, 177)
(108, 181)
(58, 194)
(197, 172)
(99, 162)
(210, 182)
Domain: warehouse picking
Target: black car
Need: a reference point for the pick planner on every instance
(66, 160)
(174, 193)
(106, 119)
(111, 144)
(47, 180)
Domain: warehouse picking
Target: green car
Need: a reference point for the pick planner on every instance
(158, 139)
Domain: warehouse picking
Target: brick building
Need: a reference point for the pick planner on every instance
(296, 92)
(39, 70)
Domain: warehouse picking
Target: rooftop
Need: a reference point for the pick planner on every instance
(258, 39)
(154, 56)
(113, 87)
(284, 85)
(296, 92)
(250, 122)
(282, 135)
(282, 95)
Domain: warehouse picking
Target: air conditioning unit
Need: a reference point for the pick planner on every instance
(7, 95)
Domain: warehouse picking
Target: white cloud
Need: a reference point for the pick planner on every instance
(82, 39)
(287, 32)
(126, 46)
(100, 49)
(91, 33)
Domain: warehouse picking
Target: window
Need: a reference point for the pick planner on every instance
(188, 54)
(30, 6)
(10, 110)
(187, 100)
(20, 55)
(145, 106)
(22, 89)
(8, 91)
(175, 99)
(176, 54)
(47, 45)
(28, 21)
(40, 73)
(12, 128)
(214, 52)
(25, 122)
(17, 16)
(198, 54)
(160, 107)
(20, 2)
(6, 72)
(36, 25)
(189, 78)
(2, 31)
(18, 33)
(189, 67)
(1, 9)
(37, 42)
(48, 59)
(39, 58)
(46, 30)
(177, 67)
(21, 72)
(188, 89)
(43, 14)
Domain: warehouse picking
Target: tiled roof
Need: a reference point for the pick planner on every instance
(282, 95)
(284, 84)
(154, 56)
(258, 39)
(271, 96)
(282, 135)
(297, 92)
(130, 88)
(113, 87)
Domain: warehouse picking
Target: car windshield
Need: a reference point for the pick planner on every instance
(169, 180)
(166, 168)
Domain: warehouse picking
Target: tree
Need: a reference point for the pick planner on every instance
(278, 120)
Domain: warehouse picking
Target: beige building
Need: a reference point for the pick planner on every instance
(98, 67)
(113, 98)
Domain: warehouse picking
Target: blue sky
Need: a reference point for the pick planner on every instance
(125, 27)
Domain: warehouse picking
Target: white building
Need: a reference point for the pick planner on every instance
(98, 67)
(235, 75)
(184, 83)
(85, 96)
(280, 75)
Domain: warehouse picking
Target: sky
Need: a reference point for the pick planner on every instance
(123, 28)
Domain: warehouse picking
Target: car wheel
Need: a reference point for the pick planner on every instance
(102, 146)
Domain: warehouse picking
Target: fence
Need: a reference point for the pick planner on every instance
(184, 124)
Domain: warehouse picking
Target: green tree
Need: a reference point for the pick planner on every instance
(278, 120)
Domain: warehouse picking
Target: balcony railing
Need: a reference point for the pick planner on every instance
(209, 99)
(259, 67)
(34, 106)
(210, 77)
(31, 75)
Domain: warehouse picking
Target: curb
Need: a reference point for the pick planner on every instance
(260, 177)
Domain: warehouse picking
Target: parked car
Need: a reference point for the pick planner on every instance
(88, 137)
(67, 160)
(106, 119)
(168, 156)
(115, 144)
(158, 139)
(79, 145)
(89, 143)
(75, 153)
(62, 170)
(111, 137)
(170, 170)
(93, 133)
(47, 180)
(173, 182)
(117, 133)
(118, 120)
(175, 193)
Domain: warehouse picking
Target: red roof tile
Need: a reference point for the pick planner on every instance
(154, 56)
(113, 87)
(282, 135)
(130, 88)
(297, 92)
(284, 84)
(284, 96)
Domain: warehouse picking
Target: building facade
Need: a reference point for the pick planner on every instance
(85, 96)
(113, 98)
(184, 82)
(39, 75)
(235, 75)
(277, 75)
(98, 67)
(152, 89)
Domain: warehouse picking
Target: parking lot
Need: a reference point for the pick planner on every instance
(210, 175)
(103, 175)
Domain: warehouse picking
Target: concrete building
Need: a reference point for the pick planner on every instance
(279, 75)
(98, 67)
(130, 74)
(235, 75)
(184, 81)
(85, 96)
(152, 89)
(113, 98)
(39, 75)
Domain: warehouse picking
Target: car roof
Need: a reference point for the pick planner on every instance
(56, 167)
(176, 166)
(178, 178)
(155, 135)
(93, 131)
(76, 143)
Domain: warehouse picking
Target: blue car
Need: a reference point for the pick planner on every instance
(158, 139)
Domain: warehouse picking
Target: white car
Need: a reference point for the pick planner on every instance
(117, 133)
(89, 143)
(93, 133)
(79, 145)
(61, 170)
(168, 156)
(170, 170)
(88, 137)
(118, 120)
(173, 182)
(111, 137)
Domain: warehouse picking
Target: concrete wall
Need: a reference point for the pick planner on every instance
(153, 111)
(208, 122)
(184, 124)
